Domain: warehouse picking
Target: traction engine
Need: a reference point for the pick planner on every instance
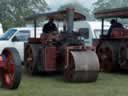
(62, 51)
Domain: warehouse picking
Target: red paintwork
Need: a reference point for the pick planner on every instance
(2, 63)
(49, 57)
(34, 40)
(119, 33)
(8, 76)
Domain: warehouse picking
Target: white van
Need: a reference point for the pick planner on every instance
(16, 37)
(94, 29)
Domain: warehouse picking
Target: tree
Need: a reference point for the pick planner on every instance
(101, 4)
(108, 4)
(12, 12)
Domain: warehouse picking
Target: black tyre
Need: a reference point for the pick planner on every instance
(31, 58)
(123, 53)
(106, 56)
(11, 76)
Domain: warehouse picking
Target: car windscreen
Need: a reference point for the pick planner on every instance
(8, 34)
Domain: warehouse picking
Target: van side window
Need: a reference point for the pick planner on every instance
(22, 36)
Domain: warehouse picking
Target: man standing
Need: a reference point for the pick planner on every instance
(50, 26)
(114, 24)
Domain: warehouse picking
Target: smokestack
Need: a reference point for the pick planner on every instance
(70, 19)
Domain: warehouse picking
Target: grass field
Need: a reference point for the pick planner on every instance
(106, 85)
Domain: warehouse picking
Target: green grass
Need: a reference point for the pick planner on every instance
(106, 85)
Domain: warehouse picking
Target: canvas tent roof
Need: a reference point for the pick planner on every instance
(110, 13)
(57, 15)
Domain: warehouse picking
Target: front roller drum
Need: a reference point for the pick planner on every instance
(83, 66)
(10, 75)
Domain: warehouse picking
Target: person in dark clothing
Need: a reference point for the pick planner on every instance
(50, 26)
(114, 24)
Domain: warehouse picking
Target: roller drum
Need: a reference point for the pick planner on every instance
(85, 66)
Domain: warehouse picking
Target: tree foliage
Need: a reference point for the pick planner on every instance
(108, 4)
(12, 12)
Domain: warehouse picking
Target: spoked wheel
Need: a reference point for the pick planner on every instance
(31, 59)
(106, 58)
(28, 60)
(11, 75)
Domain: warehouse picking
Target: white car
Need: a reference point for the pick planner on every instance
(16, 37)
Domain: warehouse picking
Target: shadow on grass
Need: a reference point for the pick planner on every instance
(55, 76)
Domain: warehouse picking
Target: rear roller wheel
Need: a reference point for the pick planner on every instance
(11, 75)
(106, 58)
(31, 58)
(123, 62)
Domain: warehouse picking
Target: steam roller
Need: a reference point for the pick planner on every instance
(112, 49)
(62, 51)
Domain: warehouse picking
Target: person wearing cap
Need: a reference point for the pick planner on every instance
(114, 24)
(50, 26)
